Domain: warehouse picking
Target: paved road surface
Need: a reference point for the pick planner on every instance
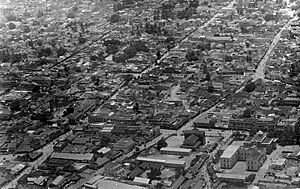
(260, 71)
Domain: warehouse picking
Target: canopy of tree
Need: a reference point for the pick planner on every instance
(250, 87)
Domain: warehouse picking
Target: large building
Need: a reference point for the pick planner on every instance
(176, 151)
(229, 157)
(253, 151)
(193, 139)
(165, 162)
(83, 158)
(125, 145)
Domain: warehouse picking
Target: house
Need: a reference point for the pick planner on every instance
(278, 164)
(58, 182)
(114, 169)
(235, 178)
(179, 181)
(124, 145)
(83, 158)
(140, 180)
(193, 139)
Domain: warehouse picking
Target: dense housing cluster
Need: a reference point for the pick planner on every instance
(149, 94)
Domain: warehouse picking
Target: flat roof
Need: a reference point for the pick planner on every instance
(165, 161)
(176, 149)
(231, 176)
(230, 151)
(280, 161)
(141, 180)
(72, 156)
(105, 184)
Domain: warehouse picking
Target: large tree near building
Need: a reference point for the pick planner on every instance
(153, 174)
(161, 143)
(250, 87)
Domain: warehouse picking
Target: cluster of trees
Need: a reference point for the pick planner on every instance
(194, 55)
(131, 51)
(286, 137)
(112, 46)
(248, 113)
(44, 52)
(295, 69)
(187, 13)
(115, 18)
(71, 14)
(11, 26)
(153, 174)
(161, 143)
(153, 28)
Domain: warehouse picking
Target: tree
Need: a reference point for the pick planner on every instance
(81, 40)
(140, 46)
(11, 18)
(105, 140)
(39, 42)
(26, 29)
(228, 58)
(210, 88)
(250, 87)
(114, 18)
(71, 15)
(12, 26)
(75, 9)
(93, 58)
(15, 105)
(153, 174)
(194, 3)
(112, 49)
(110, 42)
(161, 143)
(192, 55)
(247, 113)
(40, 13)
(36, 89)
(136, 108)
(130, 51)
(61, 51)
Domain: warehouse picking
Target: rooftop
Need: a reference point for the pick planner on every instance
(230, 151)
(176, 149)
(104, 184)
(72, 156)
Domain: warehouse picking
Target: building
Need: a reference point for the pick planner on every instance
(176, 151)
(236, 178)
(255, 159)
(193, 139)
(114, 169)
(83, 158)
(100, 183)
(229, 157)
(278, 164)
(58, 182)
(290, 101)
(140, 180)
(124, 145)
(167, 163)
(260, 140)
(253, 151)
(205, 123)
